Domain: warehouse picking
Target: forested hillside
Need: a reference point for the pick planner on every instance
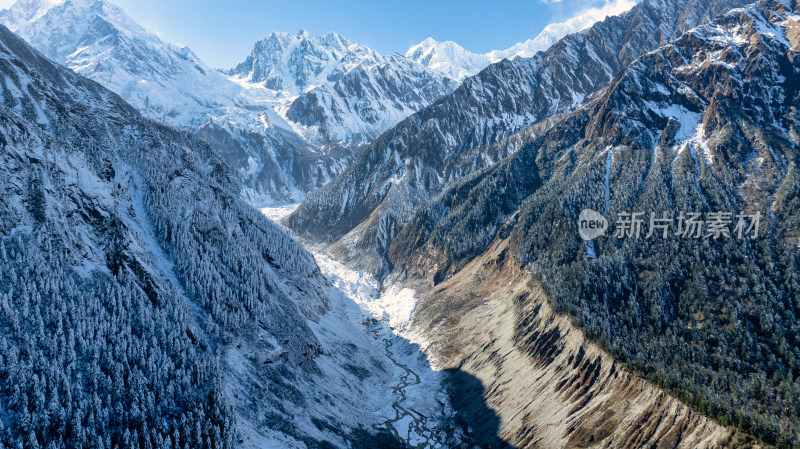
(706, 124)
(143, 303)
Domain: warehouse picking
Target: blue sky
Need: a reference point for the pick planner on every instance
(222, 33)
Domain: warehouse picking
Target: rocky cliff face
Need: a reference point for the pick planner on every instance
(550, 385)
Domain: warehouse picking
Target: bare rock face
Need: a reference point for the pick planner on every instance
(549, 385)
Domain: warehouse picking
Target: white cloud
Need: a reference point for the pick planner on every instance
(5, 4)
(591, 15)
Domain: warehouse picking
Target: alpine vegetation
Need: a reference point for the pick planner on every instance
(472, 128)
(705, 126)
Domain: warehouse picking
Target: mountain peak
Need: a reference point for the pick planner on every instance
(297, 62)
(428, 42)
(35, 5)
(447, 57)
(31, 10)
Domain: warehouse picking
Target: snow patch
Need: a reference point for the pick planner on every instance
(278, 213)
(416, 405)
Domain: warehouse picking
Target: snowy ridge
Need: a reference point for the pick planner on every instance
(448, 57)
(366, 100)
(172, 85)
(341, 91)
(300, 62)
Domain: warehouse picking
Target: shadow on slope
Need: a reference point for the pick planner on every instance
(473, 414)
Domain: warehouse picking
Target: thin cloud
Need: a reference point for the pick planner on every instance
(595, 14)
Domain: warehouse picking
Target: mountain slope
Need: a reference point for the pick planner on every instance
(550, 385)
(367, 100)
(464, 132)
(705, 124)
(172, 85)
(98, 40)
(144, 304)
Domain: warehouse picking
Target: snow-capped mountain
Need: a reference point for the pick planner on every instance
(275, 158)
(300, 62)
(132, 271)
(468, 130)
(705, 124)
(367, 100)
(98, 40)
(345, 92)
(448, 57)
(453, 60)
(172, 85)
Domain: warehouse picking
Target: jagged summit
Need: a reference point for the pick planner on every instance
(302, 61)
(57, 27)
(448, 57)
(346, 92)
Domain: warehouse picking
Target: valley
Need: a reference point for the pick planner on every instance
(489, 346)
(324, 246)
(413, 405)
